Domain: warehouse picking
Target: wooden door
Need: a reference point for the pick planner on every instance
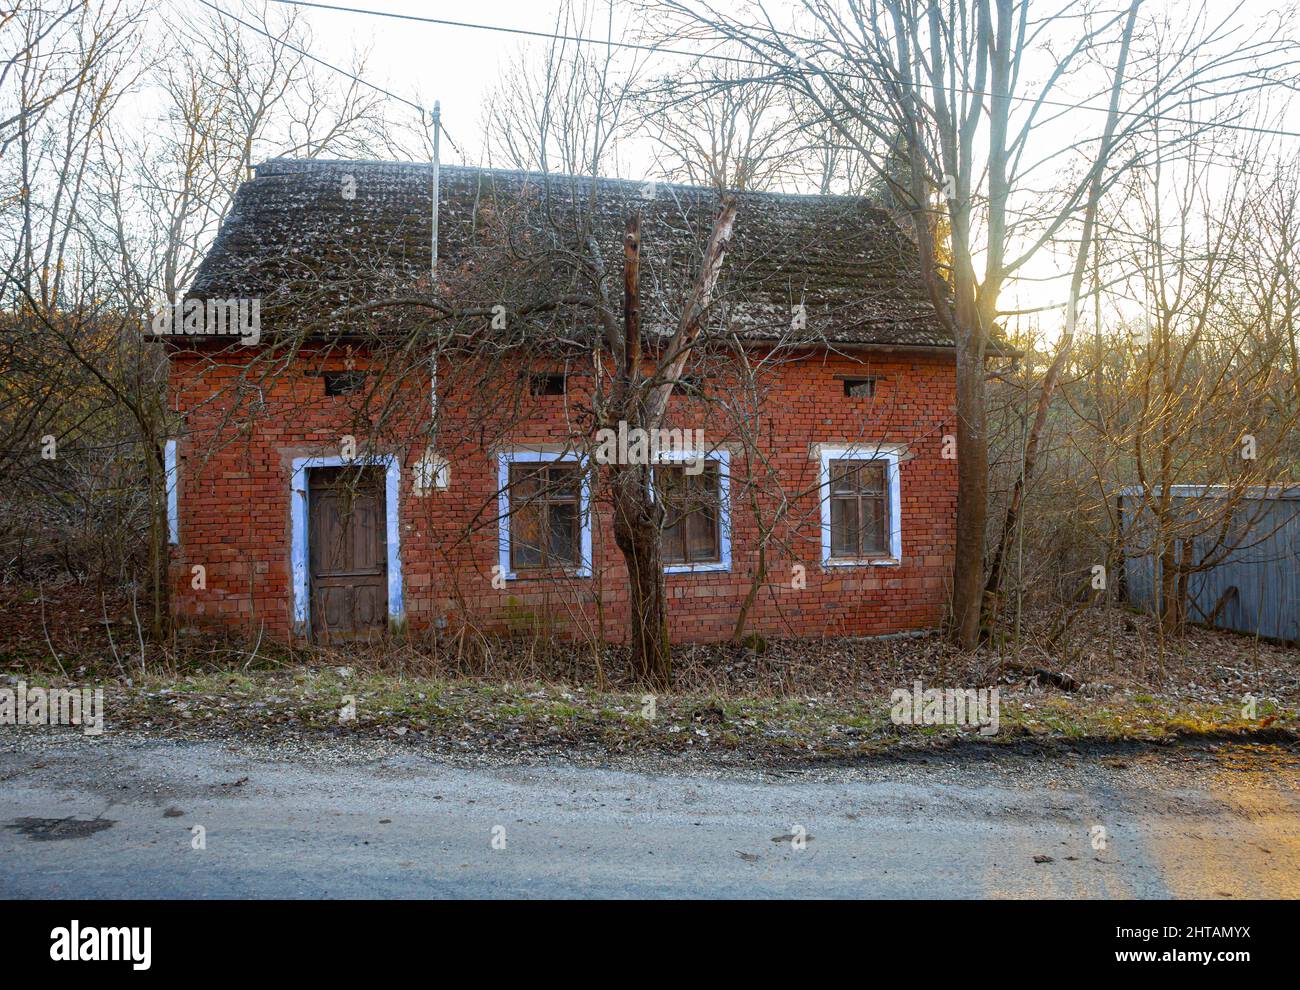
(348, 550)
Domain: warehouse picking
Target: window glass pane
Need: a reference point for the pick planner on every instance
(563, 533)
(671, 482)
(672, 546)
(844, 527)
(843, 477)
(871, 477)
(523, 482)
(672, 542)
(525, 535)
(344, 382)
(873, 530)
(705, 486)
(547, 383)
(562, 482)
(703, 532)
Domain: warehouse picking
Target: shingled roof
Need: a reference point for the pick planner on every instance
(313, 238)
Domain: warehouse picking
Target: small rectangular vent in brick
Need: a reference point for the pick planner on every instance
(344, 382)
(860, 388)
(547, 383)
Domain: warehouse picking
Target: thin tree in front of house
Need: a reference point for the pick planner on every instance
(639, 399)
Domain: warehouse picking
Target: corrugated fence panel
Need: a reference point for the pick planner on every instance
(1258, 584)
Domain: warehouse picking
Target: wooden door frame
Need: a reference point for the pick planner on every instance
(299, 556)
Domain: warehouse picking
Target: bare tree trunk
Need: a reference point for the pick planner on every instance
(751, 596)
(1169, 599)
(1178, 620)
(972, 488)
(158, 544)
(637, 519)
(1053, 375)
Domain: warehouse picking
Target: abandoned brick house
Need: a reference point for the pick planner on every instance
(504, 529)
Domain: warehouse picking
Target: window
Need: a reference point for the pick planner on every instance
(691, 386)
(545, 508)
(859, 509)
(860, 498)
(692, 531)
(697, 530)
(546, 383)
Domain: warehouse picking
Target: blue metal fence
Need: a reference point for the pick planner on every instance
(1256, 587)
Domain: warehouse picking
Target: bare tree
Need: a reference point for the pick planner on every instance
(1202, 408)
(566, 111)
(108, 223)
(722, 130)
(1092, 204)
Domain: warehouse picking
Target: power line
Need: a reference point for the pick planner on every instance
(713, 56)
(549, 35)
(424, 114)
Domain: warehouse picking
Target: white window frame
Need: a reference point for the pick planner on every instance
(173, 509)
(723, 459)
(506, 458)
(298, 531)
(891, 454)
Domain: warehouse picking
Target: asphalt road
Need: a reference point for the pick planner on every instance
(120, 818)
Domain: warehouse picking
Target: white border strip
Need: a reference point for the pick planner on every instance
(173, 510)
(298, 524)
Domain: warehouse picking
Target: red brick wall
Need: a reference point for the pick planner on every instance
(244, 425)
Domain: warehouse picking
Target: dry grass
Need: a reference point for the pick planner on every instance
(1107, 651)
(71, 630)
(764, 701)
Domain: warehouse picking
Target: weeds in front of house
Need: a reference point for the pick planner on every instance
(768, 697)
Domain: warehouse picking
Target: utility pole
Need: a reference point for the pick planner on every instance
(433, 192)
(434, 472)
